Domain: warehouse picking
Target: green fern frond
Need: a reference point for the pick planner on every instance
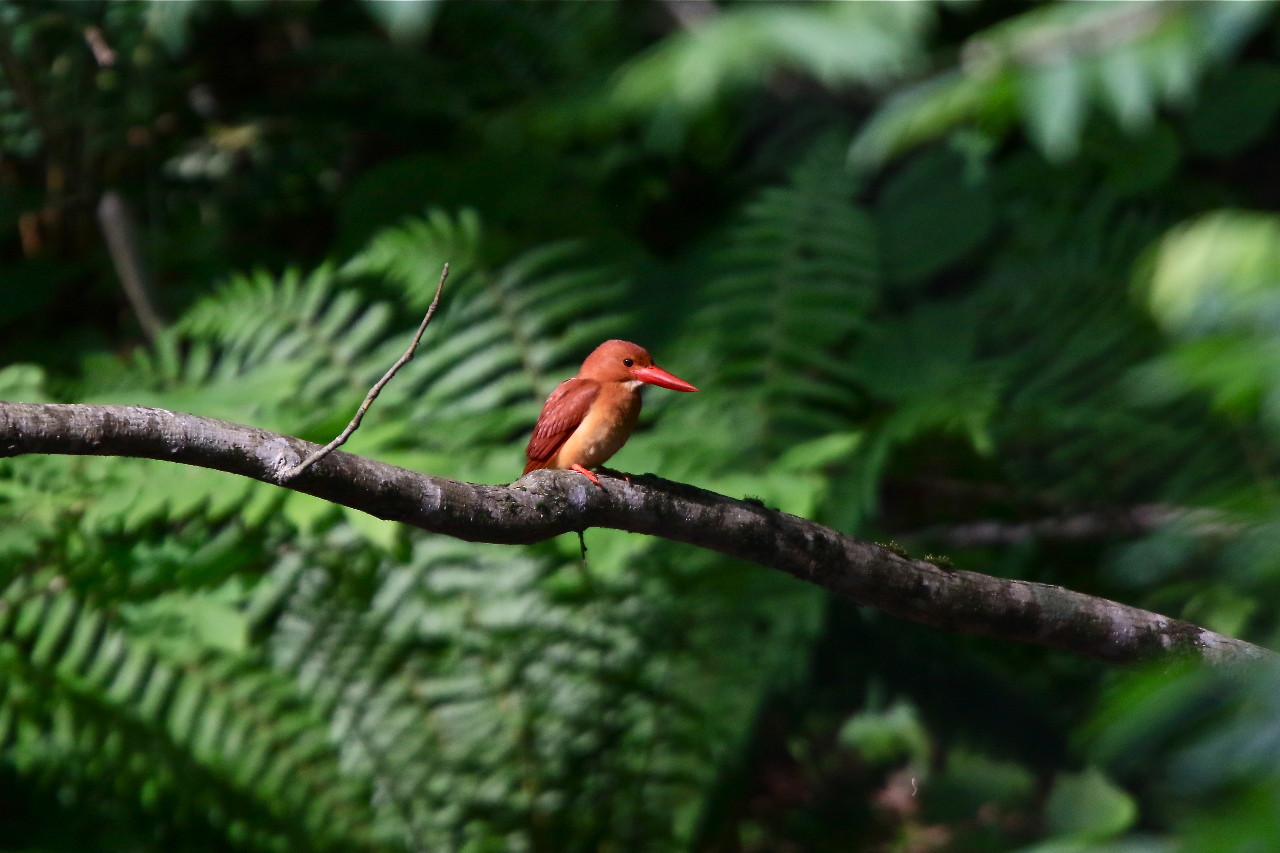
(210, 740)
(428, 711)
(1069, 338)
(473, 692)
(274, 351)
(411, 254)
(796, 279)
(543, 306)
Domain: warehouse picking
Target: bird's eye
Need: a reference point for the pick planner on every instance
(628, 362)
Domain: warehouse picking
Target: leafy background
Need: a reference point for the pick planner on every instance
(994, 282)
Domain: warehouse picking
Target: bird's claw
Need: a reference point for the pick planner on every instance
(588, 474)
(618, 475)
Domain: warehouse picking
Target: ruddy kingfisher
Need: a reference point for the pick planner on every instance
(589, 417)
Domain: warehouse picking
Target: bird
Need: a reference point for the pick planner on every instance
(589, 417)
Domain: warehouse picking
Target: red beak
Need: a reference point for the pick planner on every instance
(655, 375)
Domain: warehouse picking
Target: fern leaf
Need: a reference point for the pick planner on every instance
(797, 278)
(208, 735)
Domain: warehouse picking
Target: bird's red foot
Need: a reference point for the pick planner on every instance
(590, 476)
(619, 475)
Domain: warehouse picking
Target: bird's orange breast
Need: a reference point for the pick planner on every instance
(606, 427)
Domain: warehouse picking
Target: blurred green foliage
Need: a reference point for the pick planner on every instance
(940, 269)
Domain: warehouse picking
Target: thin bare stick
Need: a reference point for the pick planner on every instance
(122, 244)
(689, 13)
(315, 457)
(102, 52)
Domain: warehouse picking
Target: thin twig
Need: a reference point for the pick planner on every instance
(373, 392)
(102, 52)
(689, 13)
(122, 244)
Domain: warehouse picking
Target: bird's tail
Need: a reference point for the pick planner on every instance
(534, 465)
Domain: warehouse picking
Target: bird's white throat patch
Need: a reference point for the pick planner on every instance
(633, 384)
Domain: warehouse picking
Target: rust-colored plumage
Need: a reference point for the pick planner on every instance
(589, 417)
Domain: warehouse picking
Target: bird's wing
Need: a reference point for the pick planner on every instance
(563, 412)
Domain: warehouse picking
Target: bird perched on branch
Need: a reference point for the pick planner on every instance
(587, 418)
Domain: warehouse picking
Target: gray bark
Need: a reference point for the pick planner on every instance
(548, 503)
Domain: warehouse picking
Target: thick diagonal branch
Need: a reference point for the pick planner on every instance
(548, 503)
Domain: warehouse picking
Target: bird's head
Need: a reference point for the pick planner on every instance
(621, 361)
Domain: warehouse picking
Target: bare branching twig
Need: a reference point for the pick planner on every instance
(315, 457)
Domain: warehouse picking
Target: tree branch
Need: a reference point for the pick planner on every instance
(547, 503)
(1087, 526)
